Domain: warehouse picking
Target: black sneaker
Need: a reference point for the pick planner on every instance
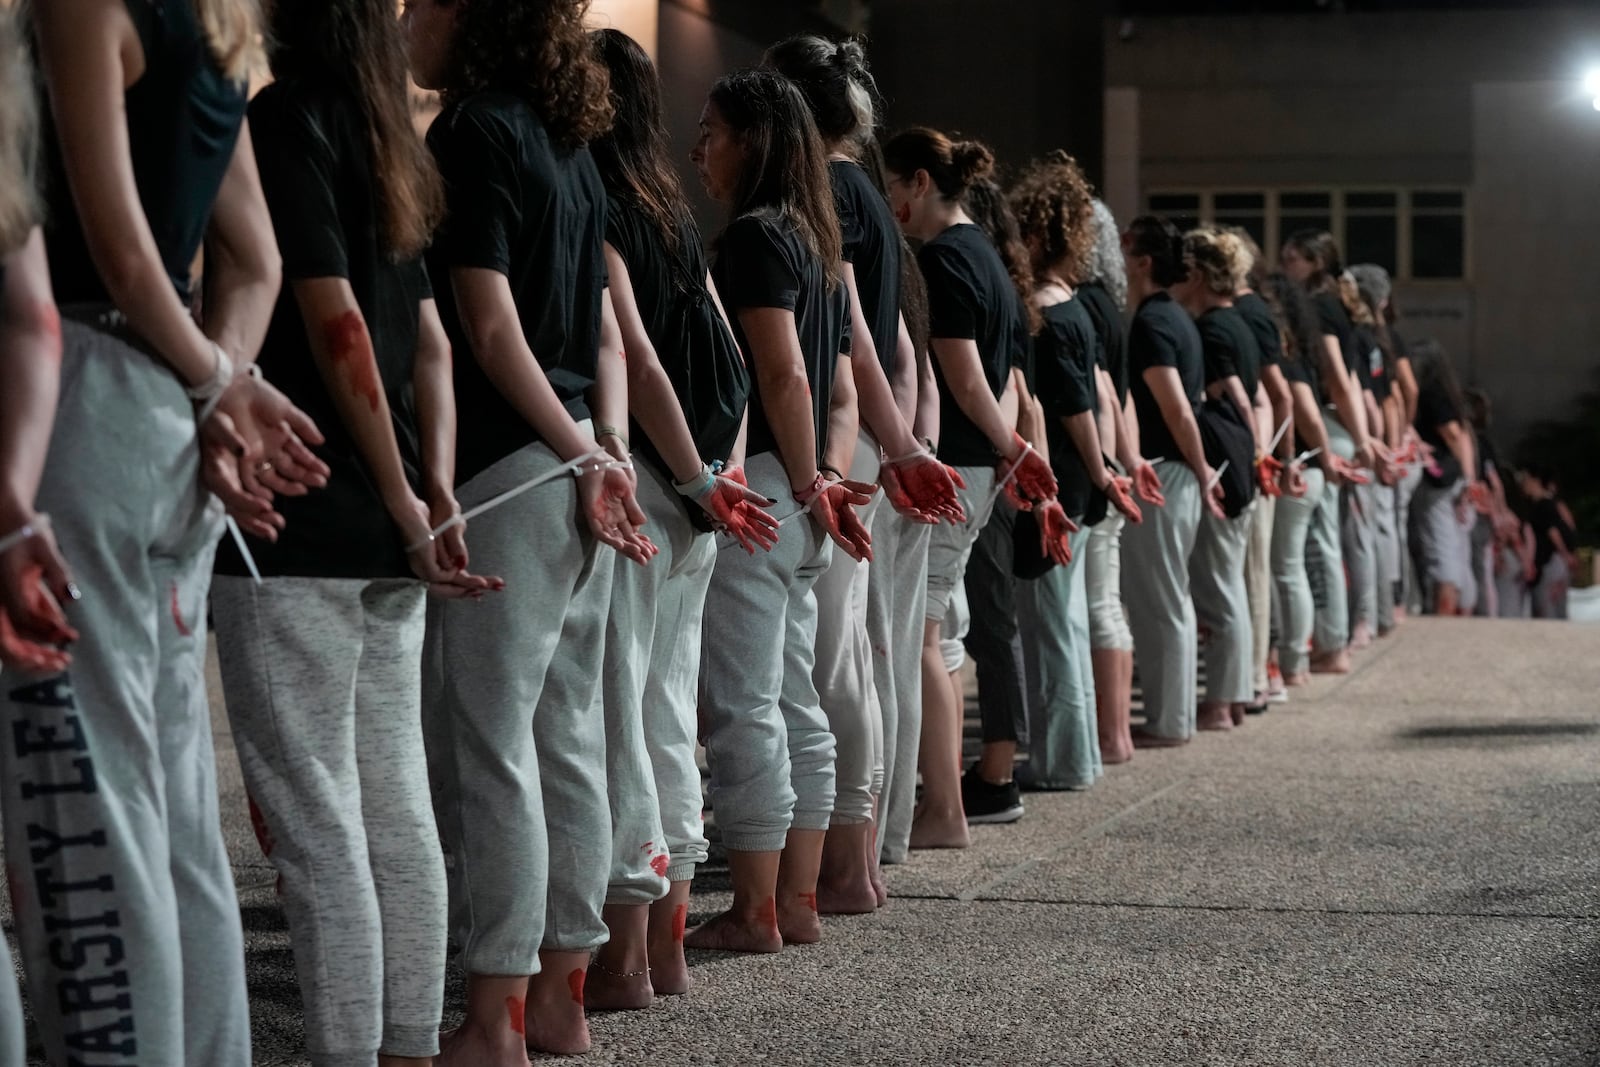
(987, 803)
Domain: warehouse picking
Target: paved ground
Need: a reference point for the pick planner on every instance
(1401, 867)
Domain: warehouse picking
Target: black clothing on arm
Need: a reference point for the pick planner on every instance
(708, 374)
(1258, 316)
(1544, 516)
(1434, 410)
(316, 173)
(1335, 323)
(762, 263)
(1369, 362)
(1230, 348)
(1065, 353)
(872, 247)
(183, 119)
(535, 211)
(1111, 332)
(1162, 335)
(970, 297)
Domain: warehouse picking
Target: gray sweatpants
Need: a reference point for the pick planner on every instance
(125, 905)
(652, 669)
(515, 727)
(1155, 587)
(11, 1025)
(1550, 594)
(1102, 573)
(1291, 531)
(1063, 735)
(1258, 587)
(323, 683)
(767, 740)
(1325, 562)
(1386, 575)
(950, 544)
(1222, 605)
(1440, 544)
(1359, 543)
(843, 670)
(897, 590)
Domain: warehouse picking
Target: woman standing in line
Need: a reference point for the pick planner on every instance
(1218, 265)
(973, 313)
(1167, 382)
(512, 703)
(767, 740)
(840, 93)
(1056, 216)
(149, 158)
(687, 390)
(1373, 283)
(1449, 482)
(321, 661)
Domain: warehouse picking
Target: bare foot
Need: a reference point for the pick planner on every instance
(556, 1023)
(799, 922)
(735, 932)
(669, 919)
(607, 990)
(844, 880)
(939, 830)
(1214, 717)
(880, 888)
(1360, 637)
(1400, 613)
(1239, 714)
(1295, 681)
(1143, 738)
(1331, 663)
(472, 1046)
(1114, 750)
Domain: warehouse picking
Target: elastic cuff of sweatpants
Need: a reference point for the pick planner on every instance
(836, 819)
(634, 893)
(346, 1058)
(410, 1041)
(811, 820)
(1291, 663)
(755, 840)
(682, 872)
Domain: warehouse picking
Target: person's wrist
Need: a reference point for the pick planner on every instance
(805, 492)
(831, 474)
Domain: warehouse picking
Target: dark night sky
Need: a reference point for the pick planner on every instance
(1246, 7)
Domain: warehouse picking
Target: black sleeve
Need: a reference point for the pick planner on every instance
(475, 157)
(759, 272)
(846, 326)
(1151, 344)
(850, 228)
(298, 166)
(1434, 409)
(953, 306)
(425, 283)
(1221, 357)
(1065, 371)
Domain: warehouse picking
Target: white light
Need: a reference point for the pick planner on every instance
(1591, 82)
(1597, 103)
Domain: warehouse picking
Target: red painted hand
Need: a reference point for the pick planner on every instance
(1054, 531)
(606, 502)
(929, 486)
(33, 583)
(1119, 493)
(1269, 472)
(1026, 476)
(741, 511)
(834, 509)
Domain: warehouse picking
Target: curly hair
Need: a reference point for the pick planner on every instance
(19, 124)
(540, 51)
(986, 203)
(1105, 264)
(1221, 259)
(1055, 212)
(1155, 236)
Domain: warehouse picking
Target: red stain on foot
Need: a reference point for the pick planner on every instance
(810, 900)
(769, 912)
(350, 347)
(659, 865)
(575, 983)
(516, 1011)
(680, 922)
(177, 615)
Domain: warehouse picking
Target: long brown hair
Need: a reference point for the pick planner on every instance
(1321, 250)
(539, 50)
(233, 32)
(986, 203)
(786, 167)
(632, 156)
(19, 124)
(359, 43)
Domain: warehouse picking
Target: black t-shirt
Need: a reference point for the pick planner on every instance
(1065, 352)
(1543, 515)
(1162, 335)
(1112, 334)
(1229, 346)
(1258, 316)
(1434, 410)
(535, 211)
(1295, 370)
(1369, 362)
(1335, 323)
(183, 120)
(312, 151)
(970, 297)
(698, 353)
(763, 263)
(872, 247)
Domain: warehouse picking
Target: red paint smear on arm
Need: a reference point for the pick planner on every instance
(769, 912)
(515, 1011)
(575, 983)
(350, 347)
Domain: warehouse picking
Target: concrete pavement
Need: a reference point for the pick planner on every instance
(1400, 867)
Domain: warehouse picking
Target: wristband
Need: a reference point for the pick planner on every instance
(805, 496)
(221, 375)
(697, 486)
(32, 528)
(835, 471)
(610, 431)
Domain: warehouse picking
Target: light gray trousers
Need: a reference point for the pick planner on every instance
(1407, 489)
(897, 590)
(1258, 587)
(652, 669)
(1222, 605)
(323, 683)
(1291, 530)
(843, 671)
(1155, 587)
(515, 726)
(125, 906)
(1325, 558)
(1550, 594)
(1441, 545)
(12, 1051)
(1102, 572)
(1053, 617)
(767, 740)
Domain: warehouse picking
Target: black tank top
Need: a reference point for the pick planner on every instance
(184, 118)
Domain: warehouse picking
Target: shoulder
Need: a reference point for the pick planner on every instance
(493, 117)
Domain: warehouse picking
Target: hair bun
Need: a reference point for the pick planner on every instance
(850, 56)
(1060, 157)
(972, 161)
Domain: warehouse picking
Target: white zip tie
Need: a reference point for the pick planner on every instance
(1273, 447)
(1216, 476)
(32, 528)
(513, 492)
(1302, 458)
(1000, 486)
(244, 549)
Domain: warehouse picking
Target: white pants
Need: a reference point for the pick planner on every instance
(1155, 585)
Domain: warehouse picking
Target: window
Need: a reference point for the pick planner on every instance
(1416, 234)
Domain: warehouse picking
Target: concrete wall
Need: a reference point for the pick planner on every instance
(1488, 101)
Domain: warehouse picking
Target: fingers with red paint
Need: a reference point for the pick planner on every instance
(928, 484)
(34, 657)
(894, 491)
(1055, 530)
(1269, 470)
(607, 504)
(1026, 476)
(274, 435)
(1147, 483)
(833, 505)
(1119, 492)
(1293, 481)
(740, 511)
